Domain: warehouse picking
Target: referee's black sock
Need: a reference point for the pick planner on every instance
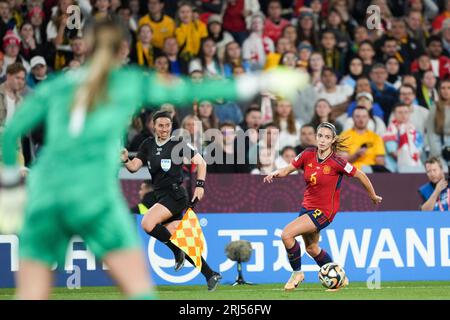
(162, 234)
(206, 270)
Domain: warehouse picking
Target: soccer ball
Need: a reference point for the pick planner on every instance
(332, 275)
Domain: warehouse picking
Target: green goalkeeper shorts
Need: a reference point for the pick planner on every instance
(102, 221)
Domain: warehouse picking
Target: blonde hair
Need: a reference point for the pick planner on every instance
(107, 38)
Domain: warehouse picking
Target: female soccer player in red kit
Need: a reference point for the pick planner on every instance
(323, 172)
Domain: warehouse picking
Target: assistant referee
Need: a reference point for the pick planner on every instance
(163, 156)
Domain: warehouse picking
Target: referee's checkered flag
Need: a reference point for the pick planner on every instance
(189, 236)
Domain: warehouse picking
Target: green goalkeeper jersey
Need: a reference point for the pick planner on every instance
(93, 154)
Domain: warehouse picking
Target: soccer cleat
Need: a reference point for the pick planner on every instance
(213, 282)
(296, 278)
(179, 260)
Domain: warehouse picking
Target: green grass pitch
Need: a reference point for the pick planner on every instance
(310, 291)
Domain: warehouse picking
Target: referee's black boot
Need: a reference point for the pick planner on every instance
(213, 282)
(179, 260)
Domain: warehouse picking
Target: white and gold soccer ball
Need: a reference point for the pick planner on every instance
(332, 276)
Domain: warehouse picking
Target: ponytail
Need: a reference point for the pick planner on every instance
(107, 40)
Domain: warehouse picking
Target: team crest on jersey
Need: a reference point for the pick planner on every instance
(326, 170)
(166, 164)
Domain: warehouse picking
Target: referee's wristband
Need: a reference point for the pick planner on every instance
(200, 183)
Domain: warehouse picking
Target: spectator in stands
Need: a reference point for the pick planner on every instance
(283, 46)
(336, 24)
(364, 147)
(360, 34)
(59, 34)
(143, 52)
(38, 71)
(331, 54)
(162, 65)
(207, 60)
(11, 46)
(290, 32)
(337, 95)
(233, 58)
(147, 198)
(287, 154)
(192, 127)
(222, 151)
(439, 20)
(436, 193)
(266, 161)
(189, 31)
(170, 108)
(162, 25)
(427, 94)
(307, 138)
(418, 113)
(289, 60)
(221, 37)
(265, 151)
(389, 49)
(237, 17)
(393, 70)
(409, 49)
(446, 37)
(135, 15)
(102, 9)
(365, 99)
(10, 96)
(416, 27)
(29, 48)
(36, 17)
(366, 52)
(322, 113)
(384, 93)
(207, 115)
(274, 23)
(307, 29)
(252, 118)
(440, 64)
(257, 46)
(316, 65)
(355, 70)
(7, 21)
(438, 123)
(79, 50)
(146, 132)
(284, 118)
(124, 13)
(178, 66)
(404, 144)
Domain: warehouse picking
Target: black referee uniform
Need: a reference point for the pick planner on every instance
(167, 172)
(164, 162)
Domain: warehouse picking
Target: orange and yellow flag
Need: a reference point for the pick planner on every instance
(189, 237)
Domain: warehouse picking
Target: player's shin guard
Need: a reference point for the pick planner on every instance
(162, 234)
(322, 258)
(206, 270)
(294, 256)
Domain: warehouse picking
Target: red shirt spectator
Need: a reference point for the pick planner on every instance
(274, 24)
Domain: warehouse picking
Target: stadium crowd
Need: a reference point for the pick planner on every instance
(381, 76)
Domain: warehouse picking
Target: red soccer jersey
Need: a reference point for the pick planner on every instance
(323, 180)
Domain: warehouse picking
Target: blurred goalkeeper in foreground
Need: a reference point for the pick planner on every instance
(73, 187)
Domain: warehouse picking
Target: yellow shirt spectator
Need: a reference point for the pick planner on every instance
(272, 60)
(373, 142)
(189, 36)
(162, 29)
